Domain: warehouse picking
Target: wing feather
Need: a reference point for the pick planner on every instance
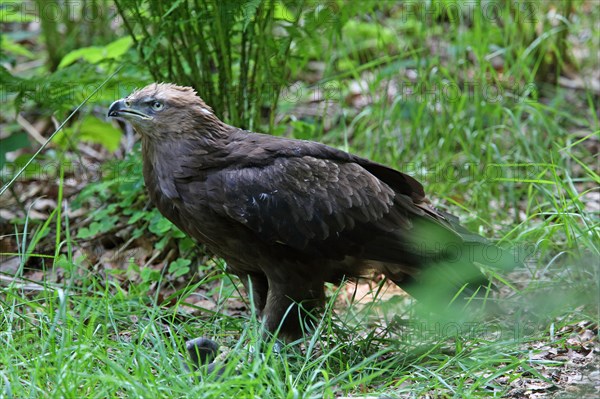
(295, 200)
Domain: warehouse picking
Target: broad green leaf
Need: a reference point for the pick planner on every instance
(11, 143)
(96, 131)
(90, 54)
(179, 267)
(282, 12)
(149, 275)
(137, 216)
(159, 225)
(91, 130)
(118, 47)
(12, 47)
(94, 54)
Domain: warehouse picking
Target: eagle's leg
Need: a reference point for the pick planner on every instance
(289, 306)
(202, 351)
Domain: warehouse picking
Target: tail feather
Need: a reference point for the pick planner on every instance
(450, 258)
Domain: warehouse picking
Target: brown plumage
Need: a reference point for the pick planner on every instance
(288, 215)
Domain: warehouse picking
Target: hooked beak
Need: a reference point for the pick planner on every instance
(120, 109)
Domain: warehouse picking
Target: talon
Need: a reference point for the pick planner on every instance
(201, 350)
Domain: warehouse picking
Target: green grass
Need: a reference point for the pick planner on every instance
(520, 169)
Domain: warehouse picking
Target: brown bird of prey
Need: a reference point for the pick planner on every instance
(289, 215)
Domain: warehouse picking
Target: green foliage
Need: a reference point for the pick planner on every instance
(117, 200)
(234, 53)
(92, 130)
(56, 95)
(363, 36)
(10, 47)
(120, 182)
(95, 54)
(11, 143)
(68, 30)
(75, 25)
(60, 92)
(179, 267)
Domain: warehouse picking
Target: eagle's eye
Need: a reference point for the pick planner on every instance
(127, 103)
(157, 105)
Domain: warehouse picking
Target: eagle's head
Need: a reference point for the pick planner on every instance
(164, 110)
